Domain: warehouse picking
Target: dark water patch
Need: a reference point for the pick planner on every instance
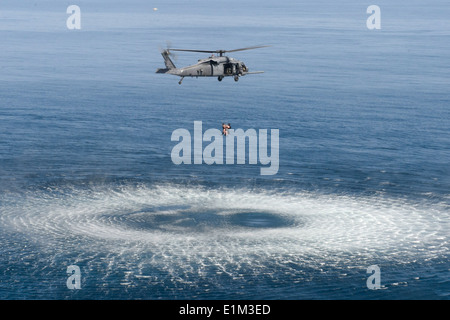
(260, 220)
(172, 220)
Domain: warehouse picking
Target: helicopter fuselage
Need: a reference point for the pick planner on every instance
(213, 66)
(219, 67)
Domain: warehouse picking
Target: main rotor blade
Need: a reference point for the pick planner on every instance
(218, 51)
(205, 51)
(249, 48)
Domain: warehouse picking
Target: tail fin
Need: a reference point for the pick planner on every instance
(167, 60)
(169, 63)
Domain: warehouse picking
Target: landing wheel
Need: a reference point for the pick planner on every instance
(236, 78)
(220, 78)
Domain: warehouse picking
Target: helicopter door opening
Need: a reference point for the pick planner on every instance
(229, 69)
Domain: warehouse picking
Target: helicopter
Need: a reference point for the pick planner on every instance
(214, 66)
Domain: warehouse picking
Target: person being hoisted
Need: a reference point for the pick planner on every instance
(225, 128)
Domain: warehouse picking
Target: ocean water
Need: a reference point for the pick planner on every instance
(87, 179)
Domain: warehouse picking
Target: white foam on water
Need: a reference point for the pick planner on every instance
(189, 230)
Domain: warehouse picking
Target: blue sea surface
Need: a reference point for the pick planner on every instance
(87, 178)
